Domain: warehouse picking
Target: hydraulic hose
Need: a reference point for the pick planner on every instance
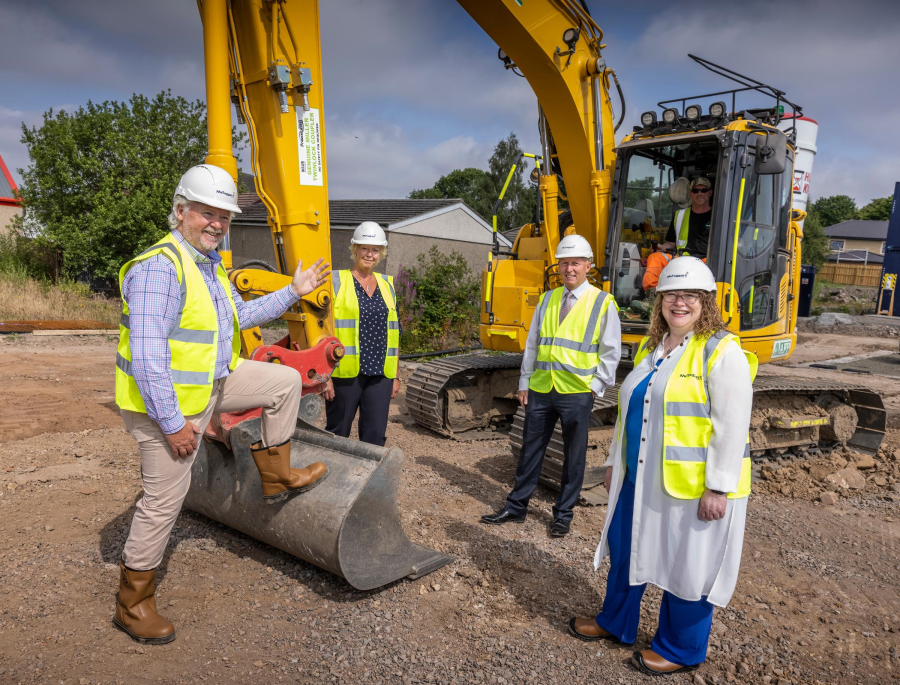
(258, 263)
(435, 354)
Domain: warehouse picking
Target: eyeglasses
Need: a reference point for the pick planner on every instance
(687, 298)
(701, 190)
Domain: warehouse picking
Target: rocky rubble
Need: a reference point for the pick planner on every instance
(828, 478)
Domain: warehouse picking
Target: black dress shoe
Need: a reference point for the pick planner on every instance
(501, 517)
(559, 528)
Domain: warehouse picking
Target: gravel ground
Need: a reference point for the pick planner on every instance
(817, 600)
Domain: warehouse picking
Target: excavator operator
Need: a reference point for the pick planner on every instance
(178, 362)
(689, 231)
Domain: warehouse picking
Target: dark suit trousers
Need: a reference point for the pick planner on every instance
(541, 414)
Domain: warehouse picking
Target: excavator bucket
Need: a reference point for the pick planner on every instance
(349, 524)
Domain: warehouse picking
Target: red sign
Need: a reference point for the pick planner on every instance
(801, 182)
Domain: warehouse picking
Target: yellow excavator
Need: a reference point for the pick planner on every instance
(264, 57)
(622, 197)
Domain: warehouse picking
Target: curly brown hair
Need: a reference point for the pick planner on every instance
(710, 320)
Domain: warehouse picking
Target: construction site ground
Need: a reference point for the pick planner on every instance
(818, 599)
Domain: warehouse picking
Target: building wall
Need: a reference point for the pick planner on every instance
(875, 246)
(404, 250)
(6, 215)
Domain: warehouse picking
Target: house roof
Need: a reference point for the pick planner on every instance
(391, 214)
(353, 212)
(7, 186)
(385, 212)
(859, 229)
(857, 256)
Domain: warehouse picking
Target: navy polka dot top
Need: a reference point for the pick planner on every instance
(373, 317)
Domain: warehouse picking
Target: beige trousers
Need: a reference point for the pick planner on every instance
(166, 478)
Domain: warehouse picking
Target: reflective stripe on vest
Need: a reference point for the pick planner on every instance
(193, 341)
(687, 417)
(346, 324)
(682, 226)
(568, 353)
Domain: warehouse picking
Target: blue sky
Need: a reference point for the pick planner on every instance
(413, 88)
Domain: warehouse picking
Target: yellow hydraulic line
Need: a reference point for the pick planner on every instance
(737, 232)
(218, 89)
(294, 44)
(251, 128)
(274, 43)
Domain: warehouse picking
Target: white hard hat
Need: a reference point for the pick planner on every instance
(574, 246)
(210, 185)
(368, 233)
(686, 273)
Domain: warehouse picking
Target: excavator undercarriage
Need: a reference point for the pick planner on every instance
(468, 398)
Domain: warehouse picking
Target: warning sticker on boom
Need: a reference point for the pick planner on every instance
(309, 140)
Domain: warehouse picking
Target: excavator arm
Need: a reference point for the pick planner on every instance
(556, 45)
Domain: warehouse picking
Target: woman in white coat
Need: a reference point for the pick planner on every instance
(678, 476)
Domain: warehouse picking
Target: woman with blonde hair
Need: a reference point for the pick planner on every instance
(678, 476)
(366, 323)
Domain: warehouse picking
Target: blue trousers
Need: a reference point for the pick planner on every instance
(543, 410)
(683, 633)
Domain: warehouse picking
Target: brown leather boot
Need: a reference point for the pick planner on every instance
(136, 608)
(279, 480)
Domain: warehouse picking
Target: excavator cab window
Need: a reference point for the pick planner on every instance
(761, 273)
(648, 206)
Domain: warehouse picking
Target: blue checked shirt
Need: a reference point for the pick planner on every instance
(152, 292)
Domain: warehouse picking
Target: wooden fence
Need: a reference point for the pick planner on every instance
(851, 274)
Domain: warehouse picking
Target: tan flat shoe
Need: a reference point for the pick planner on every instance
(649, 662)
(587, 630)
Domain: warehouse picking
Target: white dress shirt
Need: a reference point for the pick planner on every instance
(610, 346)
(670, 546)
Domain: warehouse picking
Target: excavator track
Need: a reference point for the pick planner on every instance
(426, 390)
(869, 433)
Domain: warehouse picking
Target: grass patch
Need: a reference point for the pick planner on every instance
(25, 298)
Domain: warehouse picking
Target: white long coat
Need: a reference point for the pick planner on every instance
(670, 546)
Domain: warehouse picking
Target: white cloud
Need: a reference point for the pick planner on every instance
(374, 159)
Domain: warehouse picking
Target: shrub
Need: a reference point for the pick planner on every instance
(438, 303)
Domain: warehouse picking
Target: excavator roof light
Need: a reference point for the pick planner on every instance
(570, 37)
(503, 57)
(648, 119)
(692, 112)
(717, 109)
(670, 115)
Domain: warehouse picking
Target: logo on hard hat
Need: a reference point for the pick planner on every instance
(222, 192)
(368, 235)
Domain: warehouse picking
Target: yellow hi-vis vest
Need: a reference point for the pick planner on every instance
(682, 225)
(346, 324)
(193, 342)
(568, 353)
(687, 422)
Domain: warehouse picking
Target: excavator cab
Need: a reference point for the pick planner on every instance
(749, 246)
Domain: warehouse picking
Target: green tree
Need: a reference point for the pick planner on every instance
(480, 189)
(878, 209)
(814, 246)
(101, 179)
(473, 186)
(834, 209)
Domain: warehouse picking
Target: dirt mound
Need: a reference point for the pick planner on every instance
(843, 473)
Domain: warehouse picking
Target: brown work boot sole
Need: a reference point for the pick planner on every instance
(589, 638)
(272, 499)
(165, 639)
(637, 660)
